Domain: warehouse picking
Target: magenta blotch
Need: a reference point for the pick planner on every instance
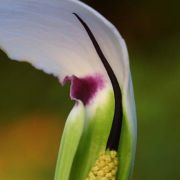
(85, 88)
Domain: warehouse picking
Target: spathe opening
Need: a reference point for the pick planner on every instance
(85, 88)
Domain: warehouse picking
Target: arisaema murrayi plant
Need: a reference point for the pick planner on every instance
(73, 42)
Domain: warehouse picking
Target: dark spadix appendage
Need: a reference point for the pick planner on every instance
(114, 137)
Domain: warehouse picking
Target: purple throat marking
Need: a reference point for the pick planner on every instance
(85, 88)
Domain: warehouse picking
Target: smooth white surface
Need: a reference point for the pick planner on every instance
(47, 34)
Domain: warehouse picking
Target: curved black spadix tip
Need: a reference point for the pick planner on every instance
(114, 136)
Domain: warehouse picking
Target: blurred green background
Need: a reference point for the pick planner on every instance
(33, 106)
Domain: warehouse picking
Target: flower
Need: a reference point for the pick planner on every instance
(75, 43)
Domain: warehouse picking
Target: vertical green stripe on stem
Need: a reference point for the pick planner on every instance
(70, 140)
(125, 152)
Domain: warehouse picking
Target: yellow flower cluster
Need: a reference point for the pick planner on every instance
(105, 167)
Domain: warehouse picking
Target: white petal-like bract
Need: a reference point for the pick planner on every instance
(48, 35)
